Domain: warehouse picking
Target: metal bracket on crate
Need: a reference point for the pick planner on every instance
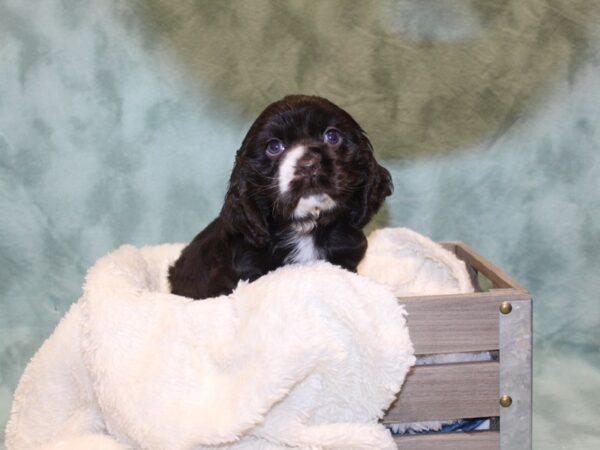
(515, 374)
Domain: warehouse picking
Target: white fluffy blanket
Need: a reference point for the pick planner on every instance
(304, 357)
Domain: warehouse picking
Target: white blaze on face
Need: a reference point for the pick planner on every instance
(287, 168)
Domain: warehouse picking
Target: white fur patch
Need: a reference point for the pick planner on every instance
(313, 205)
(303, 249)
(288, 167)
(304, 226)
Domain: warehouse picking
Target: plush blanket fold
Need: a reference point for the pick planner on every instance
(305, 357)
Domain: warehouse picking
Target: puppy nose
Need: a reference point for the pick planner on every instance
(309, 164)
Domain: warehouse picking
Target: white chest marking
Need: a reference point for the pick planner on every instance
(287, 168)
(303, 249)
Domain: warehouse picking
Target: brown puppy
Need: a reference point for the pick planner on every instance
(304, 184)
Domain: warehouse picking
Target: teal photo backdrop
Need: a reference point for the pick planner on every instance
(119, 122)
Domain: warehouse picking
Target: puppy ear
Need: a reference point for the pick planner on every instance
(378, 185)
(240, 213)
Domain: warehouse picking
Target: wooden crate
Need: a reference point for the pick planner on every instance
(470, 323)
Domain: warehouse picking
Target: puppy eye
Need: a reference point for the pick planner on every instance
(275, 147)
(332, 136)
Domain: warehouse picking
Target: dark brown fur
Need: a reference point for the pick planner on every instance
(250, 237)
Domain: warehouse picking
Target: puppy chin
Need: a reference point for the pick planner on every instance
(309, 210)
(313, 205)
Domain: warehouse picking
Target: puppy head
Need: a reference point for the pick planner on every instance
(304, 162)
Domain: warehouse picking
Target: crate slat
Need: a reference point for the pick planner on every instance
(499, 279)
(462, 323)
(478, 440)
(447, 391)
(456, 323)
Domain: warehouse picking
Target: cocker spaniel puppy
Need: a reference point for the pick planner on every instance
(304, 184)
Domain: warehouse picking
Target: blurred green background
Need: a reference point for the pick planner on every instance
(119, 122)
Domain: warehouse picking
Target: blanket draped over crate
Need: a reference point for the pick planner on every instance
(305, 357)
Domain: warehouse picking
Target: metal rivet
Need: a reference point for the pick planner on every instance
(505, 401)
(505, 308)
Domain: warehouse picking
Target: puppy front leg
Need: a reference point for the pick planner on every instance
(343, 245)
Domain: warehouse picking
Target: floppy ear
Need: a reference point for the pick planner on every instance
(378, 185)
(240, 213)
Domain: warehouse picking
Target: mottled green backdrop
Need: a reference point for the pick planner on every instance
(119, 122)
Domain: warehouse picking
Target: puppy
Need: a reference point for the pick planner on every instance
(304, 184)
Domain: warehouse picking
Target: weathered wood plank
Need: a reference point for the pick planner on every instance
(447, 391)
(477, 440)
(499, 279)
(456, 323)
